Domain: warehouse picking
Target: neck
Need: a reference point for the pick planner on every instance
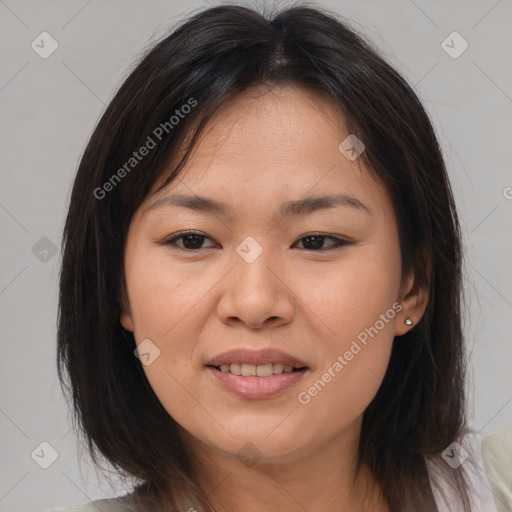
(317, 477)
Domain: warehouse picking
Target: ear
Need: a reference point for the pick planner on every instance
(126, 319)
(414, 299)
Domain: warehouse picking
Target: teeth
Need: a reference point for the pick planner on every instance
(252, 370)
(248, 370)
(233, 368)
(264, 370)
(277, 368)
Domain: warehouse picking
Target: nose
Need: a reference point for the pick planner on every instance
(256, 294)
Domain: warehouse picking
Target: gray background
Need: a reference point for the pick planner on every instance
(50, 106)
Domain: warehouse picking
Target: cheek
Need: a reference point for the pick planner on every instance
(356, 310)
(163, 297)
(166, 303)
(353, 295)
(353, 366)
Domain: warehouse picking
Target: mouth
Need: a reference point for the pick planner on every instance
(256, 374)
(260, 370)
(256, 382)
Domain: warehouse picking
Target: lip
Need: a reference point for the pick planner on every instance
(256, 357)
(257, 388)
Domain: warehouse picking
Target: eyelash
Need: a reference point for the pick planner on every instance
(339, 242)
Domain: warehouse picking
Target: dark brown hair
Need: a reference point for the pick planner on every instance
(212, 56)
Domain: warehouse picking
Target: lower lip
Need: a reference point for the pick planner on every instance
(257, 387)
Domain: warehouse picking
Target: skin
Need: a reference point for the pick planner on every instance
(261, 149)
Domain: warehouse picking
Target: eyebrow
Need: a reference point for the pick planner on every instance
(302, 206)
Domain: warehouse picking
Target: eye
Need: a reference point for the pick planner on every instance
(193, 241)
(316, 240)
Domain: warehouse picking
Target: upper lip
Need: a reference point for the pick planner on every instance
(256, 357)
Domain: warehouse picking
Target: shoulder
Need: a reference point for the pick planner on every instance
(466, 452)
(497, 456)
(120, 504)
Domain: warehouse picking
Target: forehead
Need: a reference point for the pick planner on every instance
(266, 146)
(273, 126)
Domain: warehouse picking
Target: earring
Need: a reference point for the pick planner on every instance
(408, 321)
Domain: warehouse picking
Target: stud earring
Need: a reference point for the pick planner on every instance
(408, 321)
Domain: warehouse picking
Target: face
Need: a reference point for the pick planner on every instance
(320, 282)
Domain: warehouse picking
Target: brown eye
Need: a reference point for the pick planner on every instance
(192, 241)
(314, 242)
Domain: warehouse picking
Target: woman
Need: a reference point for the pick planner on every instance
(260, 297)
